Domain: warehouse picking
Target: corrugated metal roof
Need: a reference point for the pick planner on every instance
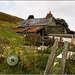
(35, 29)
(37, 22)
(19, 29)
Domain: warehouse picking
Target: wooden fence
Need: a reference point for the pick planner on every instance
(52, 57)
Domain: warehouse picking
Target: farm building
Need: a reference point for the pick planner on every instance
(41, 26)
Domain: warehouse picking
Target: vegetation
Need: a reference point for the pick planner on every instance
(8, 18)
(15, 43)
(32, 61)
(61, 22)
(70, 66)
(30, 16)
(64, 24)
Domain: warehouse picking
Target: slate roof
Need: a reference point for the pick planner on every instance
(36, 22)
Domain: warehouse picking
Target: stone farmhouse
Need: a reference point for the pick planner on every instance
(41, 26)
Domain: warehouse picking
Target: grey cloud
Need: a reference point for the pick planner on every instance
(60, 9)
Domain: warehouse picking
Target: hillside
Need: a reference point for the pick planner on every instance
(7, 22)
(33, 61)
(7, 36)
(9, 39)
(15, 43)
(8, 18)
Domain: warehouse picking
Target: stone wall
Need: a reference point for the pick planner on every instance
(54, 30)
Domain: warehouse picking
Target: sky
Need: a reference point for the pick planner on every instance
(60, 9)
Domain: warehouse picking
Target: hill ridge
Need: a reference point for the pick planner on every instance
(9, 18)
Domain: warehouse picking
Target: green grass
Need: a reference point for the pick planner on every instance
(70, 63)
(15, 43)
(33, 61)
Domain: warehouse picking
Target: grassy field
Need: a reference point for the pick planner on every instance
(15, 43)
(33, 61)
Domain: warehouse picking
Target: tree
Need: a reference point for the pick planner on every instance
(64, 24)
(30, 16)
(70, 31)
(61, 22)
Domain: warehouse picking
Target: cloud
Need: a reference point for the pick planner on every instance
(5, 2)
(59, 9)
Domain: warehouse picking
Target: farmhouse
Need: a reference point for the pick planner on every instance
(41, 26)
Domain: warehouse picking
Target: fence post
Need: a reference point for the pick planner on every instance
(64, 55)
(51, 59)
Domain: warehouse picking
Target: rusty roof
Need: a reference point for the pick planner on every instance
(35, 29)
(19, 29)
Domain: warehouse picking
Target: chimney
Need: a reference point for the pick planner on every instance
(49, 15)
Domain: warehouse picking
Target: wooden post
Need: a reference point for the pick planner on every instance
(74, 36)
(53, 38)
(64, 55)
(60, 38)
(51, 59)
(26, 32)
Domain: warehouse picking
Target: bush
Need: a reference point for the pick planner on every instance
(30, 16)
(47, 51)
(38, 43)
(70, 66)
